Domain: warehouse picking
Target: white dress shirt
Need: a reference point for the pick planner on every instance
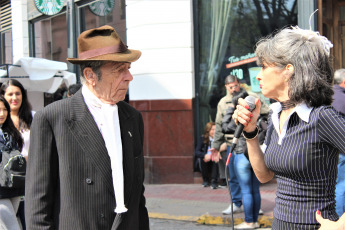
(107, 119)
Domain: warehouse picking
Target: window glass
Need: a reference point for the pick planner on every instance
(101, 13)
(228, 32)
(6, 47)
(51, 38)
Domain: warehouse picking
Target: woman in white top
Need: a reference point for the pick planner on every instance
(21, 114)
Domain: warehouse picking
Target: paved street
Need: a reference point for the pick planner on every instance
(175, 205)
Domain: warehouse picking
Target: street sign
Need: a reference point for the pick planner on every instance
(49, 7)
(102, 7)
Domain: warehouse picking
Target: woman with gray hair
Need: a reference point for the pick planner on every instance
(305, 133)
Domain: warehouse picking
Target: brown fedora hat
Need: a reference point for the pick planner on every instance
(103, 44)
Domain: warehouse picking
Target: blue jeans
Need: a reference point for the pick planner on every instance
(233, 181)
(340, 187)
(249, 187)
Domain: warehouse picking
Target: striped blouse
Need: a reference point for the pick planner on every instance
(304, 158)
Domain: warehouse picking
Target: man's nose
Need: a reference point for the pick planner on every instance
(129, 76)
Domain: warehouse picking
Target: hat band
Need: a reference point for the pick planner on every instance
(100, 51)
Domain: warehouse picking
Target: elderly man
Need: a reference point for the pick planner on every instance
(86, 165)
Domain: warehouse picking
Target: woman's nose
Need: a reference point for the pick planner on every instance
(259, 76)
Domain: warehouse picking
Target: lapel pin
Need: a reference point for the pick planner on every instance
(129, 133)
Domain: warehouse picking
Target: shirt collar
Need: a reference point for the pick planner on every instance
(302, 110)
(91, 99)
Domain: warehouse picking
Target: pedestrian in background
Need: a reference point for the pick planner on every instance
(339, 105)
(209, 168)
(232, 86)
(21, 111)
(73, 89)
(9, 197)
(21, 114)
(86, 163)
(305, 133)
(250, 185)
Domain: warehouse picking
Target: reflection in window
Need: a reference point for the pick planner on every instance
(228, 32)
(89, 17)
(51, 38)
(6, 48)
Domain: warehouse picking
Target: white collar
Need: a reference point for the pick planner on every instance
(92, 99)
(302, 110)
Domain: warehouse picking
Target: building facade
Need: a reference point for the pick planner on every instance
(188, 48)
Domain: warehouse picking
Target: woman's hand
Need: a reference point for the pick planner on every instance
(207, 157)
(244, 116)
(328, 224)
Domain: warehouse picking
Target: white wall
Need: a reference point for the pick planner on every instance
(20, 31)
(163, 31)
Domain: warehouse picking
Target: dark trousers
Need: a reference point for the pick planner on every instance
(20, 214)
(209, 170)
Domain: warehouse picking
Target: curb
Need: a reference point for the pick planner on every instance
(172, 217)
(264, 221)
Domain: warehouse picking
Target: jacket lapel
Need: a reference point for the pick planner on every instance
(126, 125)
(87, 134)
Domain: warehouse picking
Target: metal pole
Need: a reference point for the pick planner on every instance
(71, 34)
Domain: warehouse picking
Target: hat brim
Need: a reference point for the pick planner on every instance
(127, 56)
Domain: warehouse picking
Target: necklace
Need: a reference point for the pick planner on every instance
(287, 105)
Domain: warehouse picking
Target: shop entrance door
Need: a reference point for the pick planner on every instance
(332, 25)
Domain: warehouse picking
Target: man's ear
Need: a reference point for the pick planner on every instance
(89, 76)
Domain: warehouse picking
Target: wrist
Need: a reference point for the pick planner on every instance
(251, 135)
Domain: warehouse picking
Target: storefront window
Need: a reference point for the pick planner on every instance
(101, 13)
(51, 33)
(6, 47)
(228, 32)
(51, 38)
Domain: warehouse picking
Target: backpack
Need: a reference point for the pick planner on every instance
(12, 166)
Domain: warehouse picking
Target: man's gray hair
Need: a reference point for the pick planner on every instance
(308, 52)
(95, 66)
(230, 79)
(339, 76)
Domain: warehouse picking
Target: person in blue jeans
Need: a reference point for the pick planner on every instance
(241, 168)
(235, 189)
(339, 105)
(232, 86)
(340, 187)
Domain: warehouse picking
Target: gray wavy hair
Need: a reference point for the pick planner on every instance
(309, 53)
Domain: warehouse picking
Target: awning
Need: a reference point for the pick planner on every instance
(38, 74)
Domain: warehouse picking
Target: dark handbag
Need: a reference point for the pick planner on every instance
(12, 166)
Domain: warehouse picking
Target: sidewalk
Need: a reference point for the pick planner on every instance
(192, 202)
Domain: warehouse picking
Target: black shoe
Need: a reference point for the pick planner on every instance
(223, 183)
(214, 186)
(205, 184)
